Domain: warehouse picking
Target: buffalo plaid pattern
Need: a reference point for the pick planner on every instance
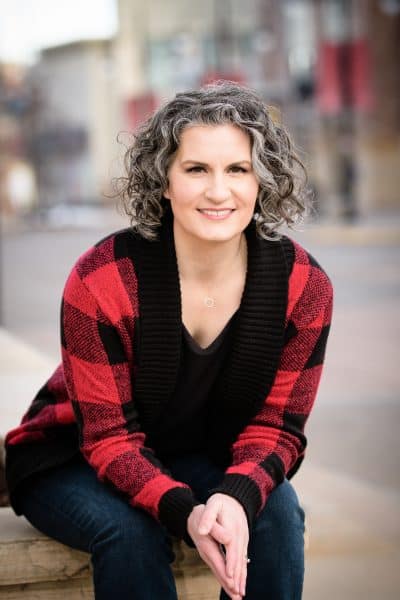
(93, 388)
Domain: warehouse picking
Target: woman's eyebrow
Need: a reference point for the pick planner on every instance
(203, 164)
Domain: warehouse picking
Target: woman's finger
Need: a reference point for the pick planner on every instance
(213, 557)
(239, 561)
(231, 559)
(208, 518)
(243, 579)
(243, 564)
(235, 559)
(242, 569)
(220, 534)
(238, 567)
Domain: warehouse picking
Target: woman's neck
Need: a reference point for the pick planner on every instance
(207, 262)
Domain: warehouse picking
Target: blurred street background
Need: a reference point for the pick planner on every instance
(330, 69)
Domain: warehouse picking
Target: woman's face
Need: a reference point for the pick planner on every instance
(212, 186)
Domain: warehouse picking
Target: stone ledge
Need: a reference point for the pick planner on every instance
(35, 565)
(80, 589)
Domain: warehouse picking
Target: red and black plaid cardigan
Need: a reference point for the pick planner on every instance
(121, 341)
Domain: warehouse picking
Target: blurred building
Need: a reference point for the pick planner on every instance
(379, 138)
(17, 177)
(328, 66)
(164, 46)
(357, 135)
(74, 126)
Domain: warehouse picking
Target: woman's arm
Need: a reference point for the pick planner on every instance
(97, 323)
(273, 443)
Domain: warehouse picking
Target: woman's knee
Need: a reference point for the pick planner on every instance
(282, 512)
(131, 558)
(276, 547)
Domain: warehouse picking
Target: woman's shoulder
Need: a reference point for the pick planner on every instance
(309, 283)
(301, 259)
(105, 273)
(106, 254)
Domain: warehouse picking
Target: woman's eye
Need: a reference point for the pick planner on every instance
(197, 169)
(237, 169)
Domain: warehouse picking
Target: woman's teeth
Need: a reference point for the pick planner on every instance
(217, 213)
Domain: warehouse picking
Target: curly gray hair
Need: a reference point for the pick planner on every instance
(281, 198)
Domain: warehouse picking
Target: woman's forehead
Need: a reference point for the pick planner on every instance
(209, 138)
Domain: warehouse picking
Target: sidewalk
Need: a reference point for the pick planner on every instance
(353, 527)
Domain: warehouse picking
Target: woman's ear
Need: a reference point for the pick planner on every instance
(166, 193)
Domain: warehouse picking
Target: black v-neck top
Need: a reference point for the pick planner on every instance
(182, 426)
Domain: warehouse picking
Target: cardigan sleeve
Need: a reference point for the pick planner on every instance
(272, 445)
(98, 363)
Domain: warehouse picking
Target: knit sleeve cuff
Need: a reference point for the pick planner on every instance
(174, 509)
(244, 490)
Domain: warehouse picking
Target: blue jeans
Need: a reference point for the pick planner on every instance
(131, 552)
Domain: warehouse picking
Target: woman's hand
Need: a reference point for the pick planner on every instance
(230, 514)
(222, 521)
(209, 549)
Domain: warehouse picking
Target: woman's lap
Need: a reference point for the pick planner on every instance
(71, 505)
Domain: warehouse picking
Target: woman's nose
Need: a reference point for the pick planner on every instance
(218, 189)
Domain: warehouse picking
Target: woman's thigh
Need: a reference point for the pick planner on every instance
(70, 504)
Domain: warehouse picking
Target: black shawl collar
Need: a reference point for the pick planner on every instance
(257, 342)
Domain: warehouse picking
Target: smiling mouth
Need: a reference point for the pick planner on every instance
(215, 213)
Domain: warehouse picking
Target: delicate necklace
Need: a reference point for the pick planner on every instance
(208, 300)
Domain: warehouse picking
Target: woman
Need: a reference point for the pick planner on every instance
(192, 347)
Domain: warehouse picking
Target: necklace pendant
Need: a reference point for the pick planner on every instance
(209, 302)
